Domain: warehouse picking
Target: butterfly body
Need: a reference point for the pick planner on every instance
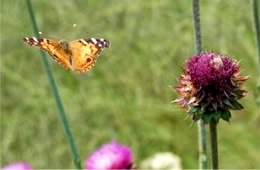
(79, 55)
(64, 44)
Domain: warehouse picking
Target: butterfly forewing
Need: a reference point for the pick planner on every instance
(86, 51)
(52, 47)
(80, 55)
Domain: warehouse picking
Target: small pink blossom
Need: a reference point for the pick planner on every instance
(110, 156)
(17, 166)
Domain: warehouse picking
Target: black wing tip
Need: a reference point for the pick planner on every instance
(32, 40)
(107, 43)
(99, 42)
(25, 39)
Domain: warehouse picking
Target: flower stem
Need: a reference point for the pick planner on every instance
(257, 35)
(75, 155)
(257, 26)
(196, 24)
(203, 159)
(214, 143)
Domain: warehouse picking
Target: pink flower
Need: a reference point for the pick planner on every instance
(210, 70)
(110, 156)
(17, 166)
(210, 87)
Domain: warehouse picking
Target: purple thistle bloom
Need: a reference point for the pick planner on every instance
(17, 166)
(110, 156)
(210, 87)
(212, 69)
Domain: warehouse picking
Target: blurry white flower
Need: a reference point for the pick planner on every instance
(163, 160)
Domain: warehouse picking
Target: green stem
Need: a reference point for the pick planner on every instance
(257, 35)
(203, 159)
(75, 155)
(196, 24)
(214, 143)
(257, 27)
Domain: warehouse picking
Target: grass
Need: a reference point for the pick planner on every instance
(125, 96)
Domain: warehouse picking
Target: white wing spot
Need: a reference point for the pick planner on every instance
(83, 41)
(100, 45)
(26, 38)
(35, 40)
(94, 40)
(101, 39)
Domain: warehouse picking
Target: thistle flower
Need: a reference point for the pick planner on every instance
(210, 87)
(17, 166)
(110, 156)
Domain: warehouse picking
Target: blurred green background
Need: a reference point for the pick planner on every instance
(126, 95)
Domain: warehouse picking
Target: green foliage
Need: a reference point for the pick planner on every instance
(125, 96)
(226, 115)
(207, 117)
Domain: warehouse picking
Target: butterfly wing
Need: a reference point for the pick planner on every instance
(53, 48)
(86, 51)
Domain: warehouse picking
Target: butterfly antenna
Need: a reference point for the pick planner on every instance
(70, 28)
(73, 26)
(50, 36)
(55, 37)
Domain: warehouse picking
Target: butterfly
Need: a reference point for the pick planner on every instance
(79, 55)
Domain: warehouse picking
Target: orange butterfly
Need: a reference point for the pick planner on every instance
(79, 55)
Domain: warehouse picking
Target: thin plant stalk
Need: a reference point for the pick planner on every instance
(257, 35)
(62, 114)
(214, 144)
(257, 27)
(203, 158)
